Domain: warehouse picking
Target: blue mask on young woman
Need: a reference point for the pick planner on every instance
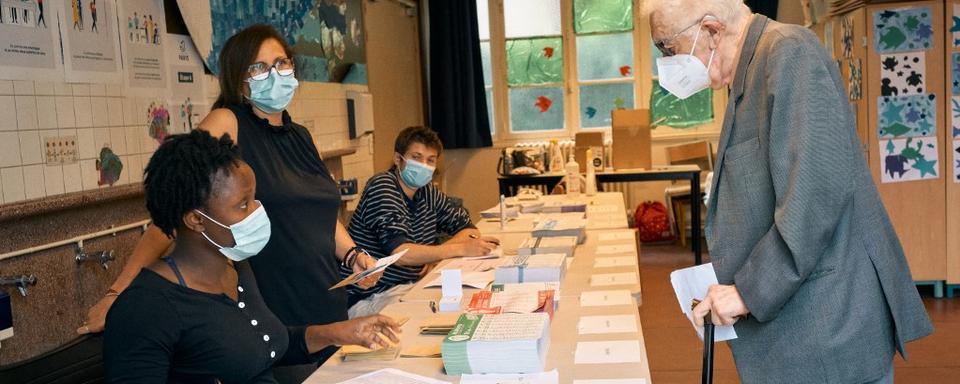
(274, 93)
(416, 174)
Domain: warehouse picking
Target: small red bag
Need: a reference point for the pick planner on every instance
(652, 222)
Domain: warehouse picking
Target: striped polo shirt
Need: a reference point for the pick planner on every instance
(386, 218)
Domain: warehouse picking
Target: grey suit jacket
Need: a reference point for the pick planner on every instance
(796, 222)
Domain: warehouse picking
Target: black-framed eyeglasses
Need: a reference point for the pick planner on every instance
(662, 43)
(260, 70)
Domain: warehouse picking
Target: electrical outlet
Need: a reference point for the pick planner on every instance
(60, 149)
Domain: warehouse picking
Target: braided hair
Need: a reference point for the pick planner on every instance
(181, 173)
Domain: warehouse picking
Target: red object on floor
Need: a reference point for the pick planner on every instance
(652, 222)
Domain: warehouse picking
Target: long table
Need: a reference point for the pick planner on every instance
(564, 334)
(615, 219)
(511, 183)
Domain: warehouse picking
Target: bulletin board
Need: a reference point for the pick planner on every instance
(908, 126)
(951, 35)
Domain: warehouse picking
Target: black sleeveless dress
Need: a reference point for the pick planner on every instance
(302, 200)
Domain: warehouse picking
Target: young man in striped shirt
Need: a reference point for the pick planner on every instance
(401, 209)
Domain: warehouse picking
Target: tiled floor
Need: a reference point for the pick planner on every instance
(675, 353)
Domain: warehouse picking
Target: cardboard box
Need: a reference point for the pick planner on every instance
(631, 139)
(584, 141)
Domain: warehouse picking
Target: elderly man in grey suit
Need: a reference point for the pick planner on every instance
(810, 269)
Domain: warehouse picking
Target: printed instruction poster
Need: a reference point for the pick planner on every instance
(90, 44)
(29, 40)
(142, 33)
(187, 92)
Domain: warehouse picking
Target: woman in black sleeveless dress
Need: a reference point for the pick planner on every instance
(308, 243)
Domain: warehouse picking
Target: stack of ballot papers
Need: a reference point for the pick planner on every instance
(494, 213)
(489, 302)
(529, 287)
(358, 353)
(526, 206)
(505, 343)
(561, 227)
(439, 324)
(563, 206)
(531, 268)
(544, 245)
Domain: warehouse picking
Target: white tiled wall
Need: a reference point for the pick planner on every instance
(99, 114)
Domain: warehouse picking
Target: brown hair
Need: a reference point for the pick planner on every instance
(238, 53)
(417, 134)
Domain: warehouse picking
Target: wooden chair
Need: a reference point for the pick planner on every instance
(678, 195)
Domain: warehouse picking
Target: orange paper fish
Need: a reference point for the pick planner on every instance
(548, 52)
(624, 70)
(544, 103)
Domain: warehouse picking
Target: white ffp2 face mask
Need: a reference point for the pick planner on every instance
(684, 75)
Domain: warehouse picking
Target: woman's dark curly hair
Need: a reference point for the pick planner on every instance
(179, 176)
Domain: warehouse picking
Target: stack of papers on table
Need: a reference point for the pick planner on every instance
(563, 206)
(439, 324)
(393, 376)
(561, 227)
(529, 287)
(494, 213)
(489, 302)
(526, 206)
(471, 279)
(544, 245)
(531, 268)
(505, 343)
(358, 353)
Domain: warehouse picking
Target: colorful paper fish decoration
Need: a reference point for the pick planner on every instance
(109, 166)
(625, 70)
(591, 112)
(548, 52)
(543, 103)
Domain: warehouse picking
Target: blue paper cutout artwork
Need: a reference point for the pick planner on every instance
(905, 29)
(907, 116)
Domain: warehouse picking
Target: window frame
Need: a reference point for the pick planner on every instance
(642, 79)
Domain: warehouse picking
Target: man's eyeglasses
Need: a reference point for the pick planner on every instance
(669, 51)
(260, 70)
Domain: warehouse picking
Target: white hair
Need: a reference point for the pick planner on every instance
(683, 12)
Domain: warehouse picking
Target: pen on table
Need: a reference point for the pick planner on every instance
(474, 236)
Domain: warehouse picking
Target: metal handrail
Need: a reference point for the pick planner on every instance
(78, 240)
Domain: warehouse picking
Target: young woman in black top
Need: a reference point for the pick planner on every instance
(197, 315)
(301, 259)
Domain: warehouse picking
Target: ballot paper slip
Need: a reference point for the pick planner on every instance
(611, 381)
(561, 227)
(392, 376)
(541, 245)
(489, 302)
(615, 249)
(505, 343)
(608, 279)
(594, 325)
(618, 261)
(692, 283)
(615, 236)
(608, 352)
(549, 377)
(379, 267)
(605, 298)
(531, 268)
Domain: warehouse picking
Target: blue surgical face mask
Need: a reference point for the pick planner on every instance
(250, 235)
(274, 93)
(416, 174)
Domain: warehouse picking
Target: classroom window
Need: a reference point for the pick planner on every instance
(558, 66)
